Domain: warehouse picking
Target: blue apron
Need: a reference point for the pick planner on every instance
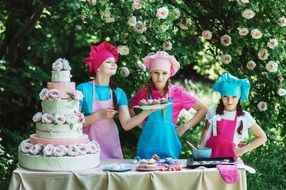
(159, 136)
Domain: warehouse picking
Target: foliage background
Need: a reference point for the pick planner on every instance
(35, 33)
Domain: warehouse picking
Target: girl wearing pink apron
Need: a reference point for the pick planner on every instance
(223, 134)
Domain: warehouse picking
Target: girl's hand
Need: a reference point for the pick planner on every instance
(240, 151)
(107, 113)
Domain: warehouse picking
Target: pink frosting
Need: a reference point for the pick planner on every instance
(36, 140)
(62, 87)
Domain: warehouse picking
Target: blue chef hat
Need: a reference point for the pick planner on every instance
(229, 85)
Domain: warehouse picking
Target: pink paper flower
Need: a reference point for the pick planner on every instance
(47, 118)
(55, 94)
(44, 94)
(60, 150)
(37, 117)
(59, 119)
(48, 150)
(36, 149)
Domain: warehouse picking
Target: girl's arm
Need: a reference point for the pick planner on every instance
(259, 140)
(127, 122)
(201, 112)
(203, 135)
(103, 114)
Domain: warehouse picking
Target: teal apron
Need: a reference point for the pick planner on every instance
(159, 136)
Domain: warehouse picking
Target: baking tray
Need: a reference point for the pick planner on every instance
(210, 162)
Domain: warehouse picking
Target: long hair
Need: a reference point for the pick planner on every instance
(150, 86)
(240, 112)
(113, 87)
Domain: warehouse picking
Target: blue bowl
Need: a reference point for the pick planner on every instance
(202, 152)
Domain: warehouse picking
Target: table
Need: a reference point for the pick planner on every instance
(200, 178)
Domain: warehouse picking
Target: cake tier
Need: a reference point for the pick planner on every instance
(64, 88)
(54, 131)
(61, 76)
(65, 163)
(64, 107)
(82, 139)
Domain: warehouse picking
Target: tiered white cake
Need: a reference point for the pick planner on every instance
(59, 144)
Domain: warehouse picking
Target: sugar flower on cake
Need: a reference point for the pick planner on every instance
(36, 149)
(281, 92)
(132, 21)
(162, 12)
(262, 106)
(61, 64)
(272, 66)
(25, 146)
(137, 4)
(243, 31)
(272, 43)
(225, 40)
(55, 94)
(167, 46)
(263, 54)
(124, 71)
(256, 34)
(226, 58)
(207, 35)
(44, 94)
(37, 117)
(66, 65)
(93, 147)
(59, 119)
(72, 119)
(73, 150)
(83, 149)
(79, 117)
(48, 150)
(282, 21)
(123, 50)
(60, 150)
(77, 95)
(248, 14)
(47, 118)
(250, 65)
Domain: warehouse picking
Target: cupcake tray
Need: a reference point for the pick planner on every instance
(210, 162)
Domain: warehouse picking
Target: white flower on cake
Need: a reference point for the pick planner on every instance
(282, 21)
(55, 94)
(207, 35)
(66, 65)
(225, 40)
(124, 71)
(36, 149)
(77, 95)
(250, 65)
(248, 14)
(72, 119)
(73, 150)
(226, 58)
(162, 12)
(44, 94)
(256, 34)
(93, 147)
(48, 150)
(60, 150)
(123, 50)
(37, 117)
(281, 92)
(132, 21)
(47, 118)
(59, 119)
(262, 106)
(25, 147)
(243, 31)
(61, 64)
(79, 117)
(272, 66)
(272, 43)
(83, 149)
(263, 54)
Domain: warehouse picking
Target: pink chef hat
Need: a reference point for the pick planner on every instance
(163, 61)
(98, 54)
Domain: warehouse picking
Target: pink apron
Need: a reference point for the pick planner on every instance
(222, 145)
(104, 131)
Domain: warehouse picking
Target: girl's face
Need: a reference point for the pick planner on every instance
(160, 78)
(230, 102)
(108, 67)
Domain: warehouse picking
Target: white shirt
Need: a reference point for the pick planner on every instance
(246, 119)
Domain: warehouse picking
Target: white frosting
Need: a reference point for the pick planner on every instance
(65, 163)
(65, 107)
(61, 76)
(54, 131)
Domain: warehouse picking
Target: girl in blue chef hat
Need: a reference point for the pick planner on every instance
(227, 125)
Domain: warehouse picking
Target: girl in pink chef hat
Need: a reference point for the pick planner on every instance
(102, 101)
(159, 134)
(227, 125)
